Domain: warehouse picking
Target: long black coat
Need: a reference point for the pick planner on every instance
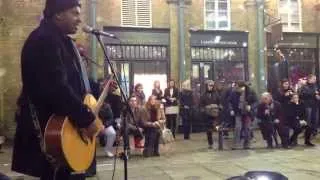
(281, 97)
(186, 98)
(234, 101)
(308, 96)
(52, 80)
(167, 96)
(210, 97)
(295, 113)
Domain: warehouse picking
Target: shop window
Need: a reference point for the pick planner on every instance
(229, 71)
(217, 14)
(136, 13)
(125, 77)
(139, 52)
(301, 62)
(290, 14)
(217, 54)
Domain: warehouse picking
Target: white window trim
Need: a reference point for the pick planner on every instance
(136, 17)
(205, 17)
(289, 17)
(151, 13)
(121, 16)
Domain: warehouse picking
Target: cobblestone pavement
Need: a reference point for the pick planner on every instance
(192, 160)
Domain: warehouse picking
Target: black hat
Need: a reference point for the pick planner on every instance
(56, 6)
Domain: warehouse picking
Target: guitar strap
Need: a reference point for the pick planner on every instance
(37, 127)
(83, 68)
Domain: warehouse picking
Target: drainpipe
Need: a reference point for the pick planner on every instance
(261, 79)
(92, 39)
(2, 122)
(182, 58)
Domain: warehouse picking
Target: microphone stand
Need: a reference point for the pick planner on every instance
(127, 108)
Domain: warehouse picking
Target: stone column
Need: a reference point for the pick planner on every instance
(175, 58)
(251, 7)
(174, 39)
(187, 20)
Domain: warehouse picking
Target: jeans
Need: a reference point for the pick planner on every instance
(242, 130)
(312, 118)
(172, 123)
(151, 143)
(186, 115)
(267, 131)
(210, 125)
(110, 137)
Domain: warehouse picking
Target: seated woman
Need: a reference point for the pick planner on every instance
(295, 118)
(152, 121)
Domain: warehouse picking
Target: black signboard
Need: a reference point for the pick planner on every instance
(219, 38)
(295, 40)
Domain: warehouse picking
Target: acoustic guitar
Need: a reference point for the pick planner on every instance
(66, 144)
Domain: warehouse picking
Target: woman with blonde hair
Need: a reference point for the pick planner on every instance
(186, 107)
(156, 91)
(154, 117)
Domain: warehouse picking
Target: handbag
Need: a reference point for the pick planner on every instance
(212, 110)
(166, 135)
(172, 110)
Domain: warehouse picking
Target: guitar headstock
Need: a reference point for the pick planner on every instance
(113, 85)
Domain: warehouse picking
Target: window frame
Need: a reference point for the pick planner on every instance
(135, 23)
(216, 12)
(289, 16)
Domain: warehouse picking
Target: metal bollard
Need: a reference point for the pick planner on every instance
(220, 139)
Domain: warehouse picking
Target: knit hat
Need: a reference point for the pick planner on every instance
(55, 6)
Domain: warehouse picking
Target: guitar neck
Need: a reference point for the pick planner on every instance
(102, 98)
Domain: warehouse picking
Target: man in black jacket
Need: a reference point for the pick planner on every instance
(279, 71)
(241, 103)
(309, 94)
(54, 82)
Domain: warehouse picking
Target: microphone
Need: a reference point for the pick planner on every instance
(88, 29)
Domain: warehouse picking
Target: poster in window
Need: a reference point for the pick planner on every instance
(206, 71)
(195, 71)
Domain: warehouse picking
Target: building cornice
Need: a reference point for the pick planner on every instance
(186, 2)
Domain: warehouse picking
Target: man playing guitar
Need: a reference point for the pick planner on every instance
(54, 82)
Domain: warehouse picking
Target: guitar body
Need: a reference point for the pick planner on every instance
(65, 144)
